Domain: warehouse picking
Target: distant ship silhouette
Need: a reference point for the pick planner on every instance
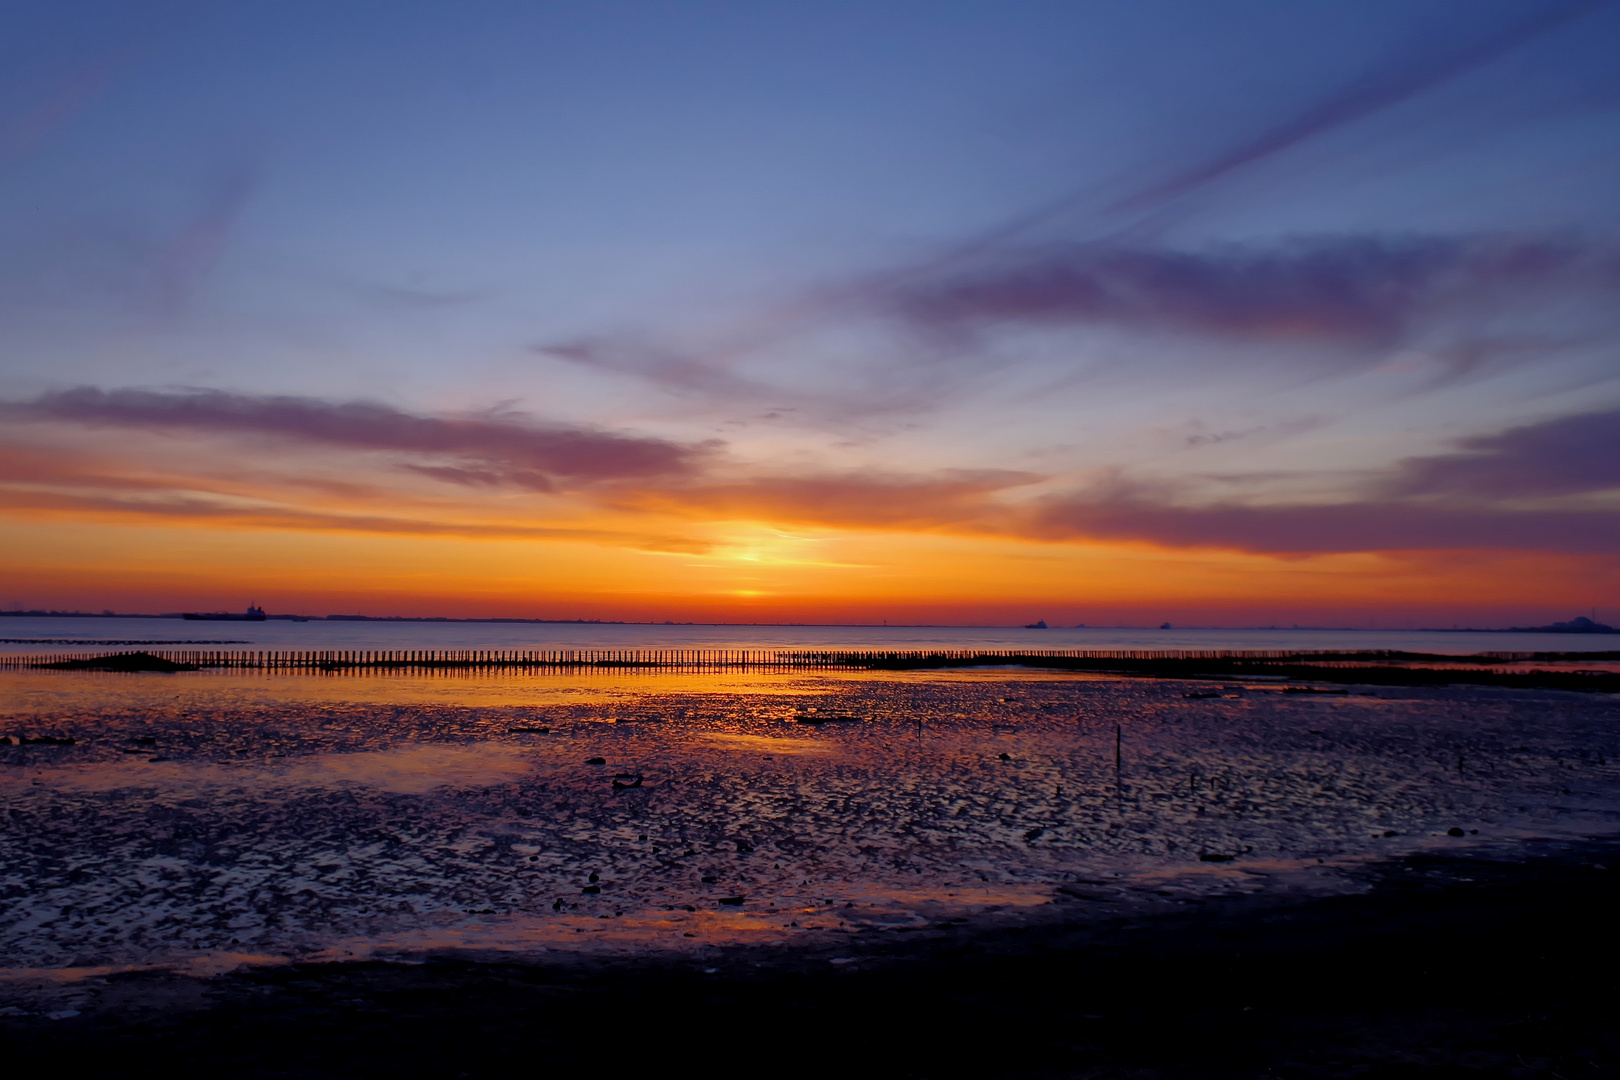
(253, 614)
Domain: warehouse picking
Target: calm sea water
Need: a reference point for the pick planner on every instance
(472, 635)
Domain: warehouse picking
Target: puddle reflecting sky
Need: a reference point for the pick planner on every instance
(206, 816)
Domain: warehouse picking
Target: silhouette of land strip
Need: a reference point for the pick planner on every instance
(128, 661)
(1578, 625)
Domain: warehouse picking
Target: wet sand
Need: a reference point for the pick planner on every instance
(1443, 966)
(1030, 868)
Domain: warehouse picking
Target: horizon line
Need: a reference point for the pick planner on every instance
(288, 617)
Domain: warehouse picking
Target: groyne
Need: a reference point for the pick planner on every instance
(683, 659)
(1377, 667)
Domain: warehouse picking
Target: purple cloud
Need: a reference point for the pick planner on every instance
(485, 449)
(962, 284)
(1359, 290)
(1343, 527)
(192, 509)
(869, 500)
(672, 370)
(1567, 456)
(1440, 502)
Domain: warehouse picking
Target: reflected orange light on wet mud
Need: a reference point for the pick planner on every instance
(309, 816)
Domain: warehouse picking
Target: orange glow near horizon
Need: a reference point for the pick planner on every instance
(779, 348)
(758, 573)
(162, 524)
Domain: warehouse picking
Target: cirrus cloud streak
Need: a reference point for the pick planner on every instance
(1547, 486)
(1359, 290)
(499, 447)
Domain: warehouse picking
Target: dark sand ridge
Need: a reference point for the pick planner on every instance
(1444, 966)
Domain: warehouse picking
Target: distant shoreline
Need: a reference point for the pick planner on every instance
(1551, 629)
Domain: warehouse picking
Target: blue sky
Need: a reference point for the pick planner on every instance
(1177, 254)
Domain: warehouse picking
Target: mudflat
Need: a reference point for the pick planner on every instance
(925, 874)
(1445, 965)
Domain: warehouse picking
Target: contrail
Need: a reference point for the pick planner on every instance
(1355, 103)
(1346, 106)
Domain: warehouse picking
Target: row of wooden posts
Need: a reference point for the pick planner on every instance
(693, 659)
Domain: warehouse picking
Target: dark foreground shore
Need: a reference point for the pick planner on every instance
(1448, 966)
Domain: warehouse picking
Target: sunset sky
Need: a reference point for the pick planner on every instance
(1097, 312)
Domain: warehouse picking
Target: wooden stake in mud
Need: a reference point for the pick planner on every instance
(1119, 782)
